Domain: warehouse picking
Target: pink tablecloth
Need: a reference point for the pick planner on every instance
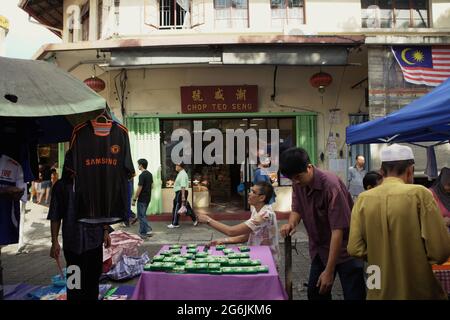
(170, 286)
(444, 278)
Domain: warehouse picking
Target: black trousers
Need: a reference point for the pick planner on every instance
(177, 205)
(351, 274)
(91, 267)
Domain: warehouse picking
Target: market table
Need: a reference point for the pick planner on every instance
(189, 286)
(442, 273)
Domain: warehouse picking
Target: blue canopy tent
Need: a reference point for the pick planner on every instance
(426, 119)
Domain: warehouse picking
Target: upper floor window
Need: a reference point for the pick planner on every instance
(174, 14)
(287, 12)
(395, 14)
(231, 13)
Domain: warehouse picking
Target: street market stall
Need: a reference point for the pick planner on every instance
(211, 281)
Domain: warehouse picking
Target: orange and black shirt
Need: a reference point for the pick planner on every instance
(101, 163)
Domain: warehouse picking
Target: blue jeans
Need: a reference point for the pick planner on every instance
(144, 226)
(351, 274)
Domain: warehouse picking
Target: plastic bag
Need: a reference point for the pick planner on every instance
(122, 243)
(128, 267)
(182, 210)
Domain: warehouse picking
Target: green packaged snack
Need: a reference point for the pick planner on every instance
(147, 267)
(256, 262)
(191, 246)
(156, 266)
(175, 251)
(166, 253)
(201, 260)
(251, 270)
(243, 255)
(201, 255)
(238, 270)
(214, 266)
(245, 262)
(262, 269)
(227, 270)
(234, 263)
(158, 258)
(180, 260)
(244, 249)
(218, 271)
(179, 269)
(169, 259)
(228, 251)
(175, 246)
(233, 256)
(220, 247)
(190, 267)
(168, 266)
(223, 261)
(192, 250)
(188, 256)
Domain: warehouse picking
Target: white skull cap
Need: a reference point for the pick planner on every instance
(396, 152)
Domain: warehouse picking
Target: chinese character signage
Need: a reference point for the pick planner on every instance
(204, 99)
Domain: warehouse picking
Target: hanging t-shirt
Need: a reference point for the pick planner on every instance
(102, 165)
(11, 175)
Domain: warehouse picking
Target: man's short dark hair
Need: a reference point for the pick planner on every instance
(396, 167)
(371, 179)
(266, 189)
(294, 161)
(143, 163)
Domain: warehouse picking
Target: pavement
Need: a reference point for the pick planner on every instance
(36, 267)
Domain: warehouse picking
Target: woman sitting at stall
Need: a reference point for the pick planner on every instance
(261, 229)
(441, 192)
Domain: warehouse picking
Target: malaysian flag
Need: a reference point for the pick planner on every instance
(429, 65)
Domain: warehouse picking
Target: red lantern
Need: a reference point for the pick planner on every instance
(95, 83)
(321, 80)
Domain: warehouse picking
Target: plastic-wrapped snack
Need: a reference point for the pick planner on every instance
(223, 261)
(158, 258)
(188, 256)
(228, 251)
(165, 253)
(227, 270)
(147, 267)
(245, 262)
(169, 259)
(243, 255)
(239, 270)
(191, 246)
(175, 246)
(234, 262)
(156, 266)
(252, 270)
(201, 260)
(255, 262)
(201, 255)
(192, 250)
(180, 260)
(213, 266)
(168, 266)
(244, 249)
(233, 256)
(175, 251)
(262, 269)
(220, 247)
(201, 267)
(179, 269)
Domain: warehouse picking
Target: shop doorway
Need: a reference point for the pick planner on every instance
(215, 186)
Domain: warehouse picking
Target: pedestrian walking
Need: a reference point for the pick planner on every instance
(142, 197)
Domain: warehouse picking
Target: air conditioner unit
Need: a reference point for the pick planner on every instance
(373, 16)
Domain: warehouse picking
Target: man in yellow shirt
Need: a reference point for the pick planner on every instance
(397, 228)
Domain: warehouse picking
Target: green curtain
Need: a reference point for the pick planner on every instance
(145, 143)
(306, 126)
(61, 156)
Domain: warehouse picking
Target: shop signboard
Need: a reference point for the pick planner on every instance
(218, 99)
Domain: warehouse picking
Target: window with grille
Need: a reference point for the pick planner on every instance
(231, 13)
(395, 14)
(287, 12)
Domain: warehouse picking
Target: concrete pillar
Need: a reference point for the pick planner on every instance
(93, 20)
